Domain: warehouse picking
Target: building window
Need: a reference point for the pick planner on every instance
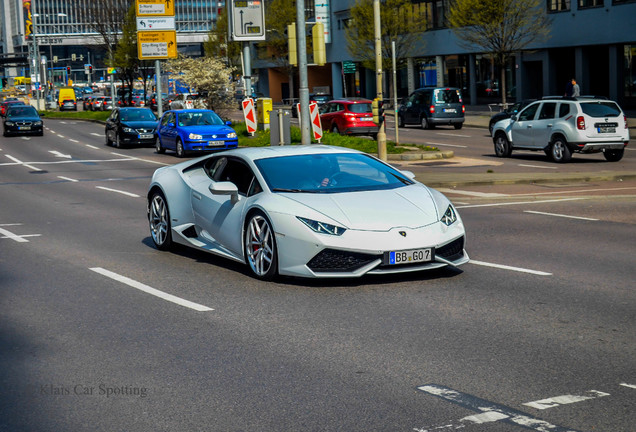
(583, 4)
(558, 5)
(630, 70)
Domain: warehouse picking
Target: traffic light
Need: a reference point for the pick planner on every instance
(68, 70)
(90, 68)
(318, 39)
(291, 44)
(377, 110)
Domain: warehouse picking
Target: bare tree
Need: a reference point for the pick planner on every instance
(106, 18)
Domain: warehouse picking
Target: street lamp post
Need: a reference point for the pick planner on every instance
(35, 73)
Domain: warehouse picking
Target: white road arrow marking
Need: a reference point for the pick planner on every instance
(58, 154)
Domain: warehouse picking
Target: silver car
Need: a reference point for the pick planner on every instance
(562, 126)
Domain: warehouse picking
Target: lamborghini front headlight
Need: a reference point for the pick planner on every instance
(322, 227)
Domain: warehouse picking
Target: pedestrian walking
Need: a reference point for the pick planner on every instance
(576, 90)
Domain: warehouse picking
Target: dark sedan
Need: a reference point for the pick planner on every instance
(512, 110)
(7, 103)
(131, 126)
(22, 119)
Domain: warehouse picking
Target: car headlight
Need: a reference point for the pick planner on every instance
(195, 137)
(37, 123)
(322, 227)
(231, 135)
(9, 123)
(450, 216)
(128, 130)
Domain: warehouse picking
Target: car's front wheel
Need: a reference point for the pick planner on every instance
(180, 151)
(559, 150)
(260, 247)
(159, 220)
(502, 145)
(613, 155)
(158, 147)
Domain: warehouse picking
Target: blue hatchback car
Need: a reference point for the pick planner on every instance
(194, 130)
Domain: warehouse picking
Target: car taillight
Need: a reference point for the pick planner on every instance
(432, 109)
(580, 123)
(463, 109)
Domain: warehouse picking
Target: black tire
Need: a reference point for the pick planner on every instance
(559, 150)
(458, 125)
(502, 145)
(613, 155)
(158, 147)
(335, 129)
(424, 123)
(491, 126)
(117, 142)
(259, 243)
(108, 141)
(159, 221)
(179, 149)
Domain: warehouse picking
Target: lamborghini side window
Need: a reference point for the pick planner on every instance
(215, 166)
(238, 173)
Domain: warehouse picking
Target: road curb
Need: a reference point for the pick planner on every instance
(422, 155)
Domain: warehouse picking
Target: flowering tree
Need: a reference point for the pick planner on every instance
(207, 76)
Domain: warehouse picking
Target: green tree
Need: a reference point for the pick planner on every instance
(401, 22)
(218, 44)
(499, 27)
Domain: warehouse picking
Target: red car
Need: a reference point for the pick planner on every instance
(5, 105)
(348, 116)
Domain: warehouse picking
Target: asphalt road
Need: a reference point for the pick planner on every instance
(537, 333)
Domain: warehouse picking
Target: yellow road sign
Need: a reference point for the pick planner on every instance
(155, 7)
(156, 44)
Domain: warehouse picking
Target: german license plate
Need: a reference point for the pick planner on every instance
(215, 143)
(366, 118)
(410, 256)
(146, 136)
(24, 127)
(450, 110)
(606, 129)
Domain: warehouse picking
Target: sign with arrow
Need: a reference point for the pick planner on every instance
(155, 23)
(156, 44)
(247, 20)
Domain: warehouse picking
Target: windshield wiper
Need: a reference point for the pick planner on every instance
(291, 190)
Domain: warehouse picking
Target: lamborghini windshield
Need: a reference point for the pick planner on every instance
(329, 173)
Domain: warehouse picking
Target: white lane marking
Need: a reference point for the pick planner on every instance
(628, 385)
(19, 162)
(564, 400)
(574, 191)
(537, 166)
(73, 140)
(505, 267)
(152, 291)
(70, 161)
(118, 191)
(8, 234)
(471, 193)
(92, 146)
(447, 145)
(96, 134)
(453, 135)
(61, 136)
(521, 202)
(59, 154)
(486, 417)
(22, 236)
(141, 159)
(560, 215)
(67, 179)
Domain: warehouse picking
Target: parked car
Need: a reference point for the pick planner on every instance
(8, 103)
(68, 104)
(305, 211)
(432, 106)
(507, 113)
(22, 119)
(131, 126)
(152, 100)
(319, 98)
(562, 126)
(348, 116)
(194, 130)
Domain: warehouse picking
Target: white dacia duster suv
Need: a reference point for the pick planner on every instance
(562, 126)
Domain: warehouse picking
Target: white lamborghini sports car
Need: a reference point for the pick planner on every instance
(309, 211)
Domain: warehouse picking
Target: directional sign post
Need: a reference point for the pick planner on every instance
(156, 35)
(247, 20)
(155, 23)
(155, 7)
(157, 44)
